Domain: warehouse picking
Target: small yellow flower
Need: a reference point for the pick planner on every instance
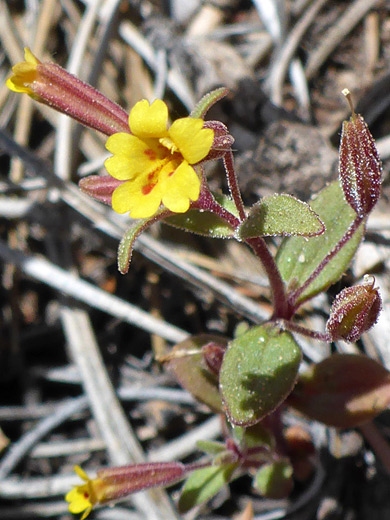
(156, 161)
(84, 497)
(24, 74)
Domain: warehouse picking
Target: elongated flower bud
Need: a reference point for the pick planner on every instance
(52, 85)
(360, 167)
(100, 187)
(114, 483)
(354, 311)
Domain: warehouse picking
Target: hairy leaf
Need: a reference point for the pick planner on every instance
(258, 372)
(281, 215)
(298, 257)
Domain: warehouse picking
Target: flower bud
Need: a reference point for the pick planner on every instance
(222, 142)
(213, 356)
(354, 311)
(99, 187)
(114, 483)
(360, 167)
(52, 85)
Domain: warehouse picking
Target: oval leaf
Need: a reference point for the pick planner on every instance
(344, 390)
(275, 480)
(187, 363)
(258, 372)
(298, 257)
(281, 215)
(203, 484)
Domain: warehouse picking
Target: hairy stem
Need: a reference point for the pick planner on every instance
(233, 185)
(281, 307)
(293, 327)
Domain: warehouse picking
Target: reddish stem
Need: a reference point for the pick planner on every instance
(233, 185)
(293, 327)
(281, 307)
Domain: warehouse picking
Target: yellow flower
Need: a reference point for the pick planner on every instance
(156, 161)
(84, 497)
(24, 74)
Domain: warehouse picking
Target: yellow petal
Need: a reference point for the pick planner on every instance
(120, 167)
(81, 473)
(78, 506)
(149, 120)
(132, 156)
(193, 141)
(130, 197)
(29, 56)
(179, 188)
(24, 74)
(86, 513)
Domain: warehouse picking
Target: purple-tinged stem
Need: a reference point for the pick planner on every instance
(233, 185)
(293, 327)
(293, 297)
(207, 202)
(281, 307)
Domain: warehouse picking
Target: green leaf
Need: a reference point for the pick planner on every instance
(125, 249)
(275, 480)
(207, 101)
(202, 223)
(203, 484)
(344, 390)
(281, 215)
(205, 223)
(187, 363)
(252, 436)
(298, 257)
(258, 371)
(211, 447)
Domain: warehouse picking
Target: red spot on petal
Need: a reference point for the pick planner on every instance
(86, 495)
(147, 189)
(151, 154)
(171, 173)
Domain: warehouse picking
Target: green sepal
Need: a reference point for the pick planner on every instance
(298, 257)
(203, 484)
(258, 371)
(207, 101)
(280, 214)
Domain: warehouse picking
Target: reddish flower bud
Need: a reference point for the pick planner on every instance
(360, 167)
(52, 85)
(355, 310)
(223, 141)
(99, 187)
(112, 484)
(213, 356)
